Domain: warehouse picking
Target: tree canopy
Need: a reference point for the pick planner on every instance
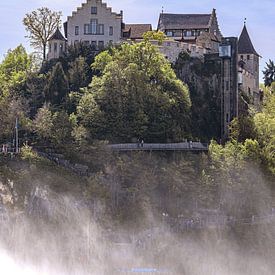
(41, 25)
(269, 73)
(136, 95)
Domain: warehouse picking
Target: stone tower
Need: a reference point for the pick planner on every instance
(249, 65)
(56, 45)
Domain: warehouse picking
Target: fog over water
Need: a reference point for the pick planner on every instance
(62, 238)
(58, 233)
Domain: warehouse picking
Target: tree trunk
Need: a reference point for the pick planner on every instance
(44, 51)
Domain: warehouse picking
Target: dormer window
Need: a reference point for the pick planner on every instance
(93, 10)
(248, 57)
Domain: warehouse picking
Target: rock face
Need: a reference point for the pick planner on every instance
(204, 79)
(82, 170)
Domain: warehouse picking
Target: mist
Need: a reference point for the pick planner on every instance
(157, 232)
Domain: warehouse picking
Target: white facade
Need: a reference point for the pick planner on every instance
(94, 23)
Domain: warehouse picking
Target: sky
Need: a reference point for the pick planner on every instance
(260, 16)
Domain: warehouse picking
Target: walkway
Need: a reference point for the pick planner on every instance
(183, 146)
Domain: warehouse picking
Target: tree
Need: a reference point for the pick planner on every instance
(78, 74)
(58, 86)
(15, 68)
(43, 123)
(269, 73)
(136, 95)
(41, 25)
(155, 35)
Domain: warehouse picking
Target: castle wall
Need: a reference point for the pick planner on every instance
(171, 49)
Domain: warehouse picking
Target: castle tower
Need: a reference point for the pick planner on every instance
(249, 65)
(57, 45)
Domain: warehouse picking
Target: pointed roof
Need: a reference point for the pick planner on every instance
(245, 45)
(57, 36)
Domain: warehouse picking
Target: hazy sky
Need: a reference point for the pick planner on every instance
(260, 16)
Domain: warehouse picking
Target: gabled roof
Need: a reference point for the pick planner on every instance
(245, 45)
(136, 31)
(185, 21)
(57, 36)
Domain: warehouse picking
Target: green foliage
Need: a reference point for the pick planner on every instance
(78, 72)
(61, 130)
(155, 35)
(269, 73)
(52, 127)
(27, 153)
(136, 95)
(242, 128)
(41, 25)
(57, 86)
(265, 128)
(43, 123)
(252, 138)
(14, 69)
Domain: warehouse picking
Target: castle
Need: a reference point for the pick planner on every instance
(95, 24)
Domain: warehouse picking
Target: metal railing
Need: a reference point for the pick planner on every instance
(183, 146)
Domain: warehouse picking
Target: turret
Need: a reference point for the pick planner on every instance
(249, 63)
(56, 45)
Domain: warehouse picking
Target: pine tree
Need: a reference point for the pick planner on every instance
(58, 86)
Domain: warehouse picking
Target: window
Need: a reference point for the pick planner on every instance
(93, 29)
(248, 57)
(100, 29)
(55, 47)
(111, 42)
(241, 57)
(76, 30)
(111, 30)
(50, 48)
(86, 29)
(61, 48)
(188, 33)
(169, 33)
(93, 10)
(86, 42)
(93, 45)
(100, 44)
(76, 42)
(193, 33)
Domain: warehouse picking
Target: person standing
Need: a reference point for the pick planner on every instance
(142, 143)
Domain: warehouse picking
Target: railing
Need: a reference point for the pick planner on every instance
(183, 146)
(7, 151)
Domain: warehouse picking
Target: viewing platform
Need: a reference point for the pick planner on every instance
(183, 146)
